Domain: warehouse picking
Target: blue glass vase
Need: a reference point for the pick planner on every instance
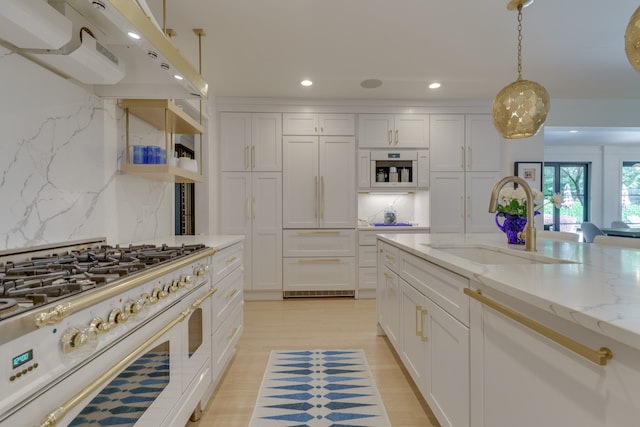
(512, 226)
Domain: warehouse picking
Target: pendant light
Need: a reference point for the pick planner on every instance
(632, 40)
(520, 109)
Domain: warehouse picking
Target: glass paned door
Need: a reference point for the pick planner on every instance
(570, 180)
(630, 193)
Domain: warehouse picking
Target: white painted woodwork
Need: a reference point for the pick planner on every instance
(319, 274)
(319, 243)
(483, 144)
(392, 301)
(319, 182)
(252, 206)
(251, 141)
(519, 377)
(478, 186)
(318, 124)
(364, 169)
(415, 334)
(447, 142)
(393, 131)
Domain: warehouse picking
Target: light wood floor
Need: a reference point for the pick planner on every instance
(311, 324)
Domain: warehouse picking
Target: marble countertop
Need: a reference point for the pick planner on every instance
(386, 228)
(599, 288)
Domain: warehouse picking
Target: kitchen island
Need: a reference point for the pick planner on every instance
(496, 337)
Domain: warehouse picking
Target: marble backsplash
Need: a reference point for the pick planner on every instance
(59, 169)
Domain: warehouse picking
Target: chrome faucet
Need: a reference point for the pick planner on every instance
(529, 229)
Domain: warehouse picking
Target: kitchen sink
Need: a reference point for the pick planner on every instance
(482, 254)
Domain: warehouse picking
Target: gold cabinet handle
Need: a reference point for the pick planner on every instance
(469, 157)
(423, 333)
(596, 356)
(318, 260)
(246, 157)
(389, 139)
(388, 276)
(253, 157)
(397, 137)
(303, 233)
(322, 197)
(315, 198)
(462, 157)
(418, 320)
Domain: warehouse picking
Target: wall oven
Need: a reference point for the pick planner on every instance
(402, 169)
(134, 352)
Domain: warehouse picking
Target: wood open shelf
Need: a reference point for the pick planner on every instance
(152, 111)
(163, 173)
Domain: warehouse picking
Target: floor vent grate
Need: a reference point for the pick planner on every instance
(306, 294)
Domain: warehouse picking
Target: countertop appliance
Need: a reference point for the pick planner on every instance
(78, 318)
(399, 169)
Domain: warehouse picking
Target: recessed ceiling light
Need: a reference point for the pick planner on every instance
(371, 83)
(573, 131)
(178, 77)
(434, 85)
(133, 35)
(306, 83)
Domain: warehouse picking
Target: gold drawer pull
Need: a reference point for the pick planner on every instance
(319, 260)
(304, 233)
(596, 356)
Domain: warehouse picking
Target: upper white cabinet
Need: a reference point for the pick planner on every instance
(393, 131)
(319, 189)
(251, 141)
(464, 143)
(466, 154)
(318, 124)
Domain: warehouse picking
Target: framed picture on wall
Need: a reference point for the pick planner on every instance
(530, 172)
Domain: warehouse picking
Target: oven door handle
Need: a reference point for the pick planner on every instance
(55, 416)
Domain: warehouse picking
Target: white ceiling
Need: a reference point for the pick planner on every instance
(264, 48)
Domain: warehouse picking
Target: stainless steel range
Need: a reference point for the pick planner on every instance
(93, 334)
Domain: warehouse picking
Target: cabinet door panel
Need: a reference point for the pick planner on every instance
(414, 334)
(484, 146)
(319, 274)
(337, 124)
(448, 368)
(236, 213)
(447, 142)
(235, 141)
(299, 124)
(411, 131)
(447, 202)
(478, 188)
(267, 230)
(392, 307)
(301, 182)
(337, 182)
(375, 130)
(266, 142)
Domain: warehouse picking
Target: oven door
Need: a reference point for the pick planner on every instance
(144, 379)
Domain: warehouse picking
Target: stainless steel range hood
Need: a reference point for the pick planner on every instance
(100, 52)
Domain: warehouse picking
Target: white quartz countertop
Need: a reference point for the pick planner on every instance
(218, 241)
(599, 290)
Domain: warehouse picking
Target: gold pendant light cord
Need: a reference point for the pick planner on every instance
(520, 41)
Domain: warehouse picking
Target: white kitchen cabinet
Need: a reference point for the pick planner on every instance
(251, 141)
(318, 124)
(462, 142)
(465, 165)
(319, 189)
(423, 312)
(252, 206)
(519, 377)
(459, 202)
(320, 261)
(393, 131)
(364, 169)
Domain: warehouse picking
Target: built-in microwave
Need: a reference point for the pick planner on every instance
(399, 169)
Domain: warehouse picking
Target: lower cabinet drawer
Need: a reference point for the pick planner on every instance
(225, 338)
(229, 292)
(225, 261)
(367, 278)
(367, 256)
(319, 274)
(318, 243)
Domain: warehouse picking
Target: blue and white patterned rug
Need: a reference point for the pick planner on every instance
(318, 388)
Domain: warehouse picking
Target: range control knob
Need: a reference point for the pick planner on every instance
(186, 279)
(117, 316)
(100, 325)
(156, 295)
(132, 307)
(170, 288)
(80, 341)
(180, 282)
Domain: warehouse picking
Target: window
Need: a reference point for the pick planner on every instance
(570, 180)
(630, 193)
